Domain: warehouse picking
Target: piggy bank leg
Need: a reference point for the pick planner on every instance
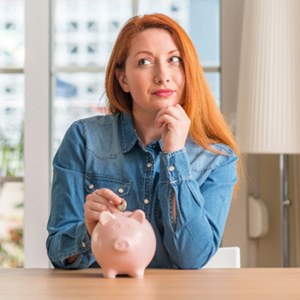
(139, 273)
(109, 273)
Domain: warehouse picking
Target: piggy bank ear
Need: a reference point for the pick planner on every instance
(105, 217)
(138, 215)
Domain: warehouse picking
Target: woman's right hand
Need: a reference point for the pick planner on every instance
(96, 202)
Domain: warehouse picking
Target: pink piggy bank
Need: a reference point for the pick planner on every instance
(123, 243)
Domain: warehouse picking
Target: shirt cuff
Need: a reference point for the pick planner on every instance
(83, 239)
(174, 166)
(82, 248)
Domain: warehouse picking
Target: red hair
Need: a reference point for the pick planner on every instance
(208, 125)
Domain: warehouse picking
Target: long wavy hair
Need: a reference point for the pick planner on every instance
(208, 125)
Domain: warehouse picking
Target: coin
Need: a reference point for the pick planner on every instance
(123, 205)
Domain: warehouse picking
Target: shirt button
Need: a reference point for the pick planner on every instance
(83, 244)
(146, 201)
(121, 191)
(149, 165)
(171, 168)
(91, 186)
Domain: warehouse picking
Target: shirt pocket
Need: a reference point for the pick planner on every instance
(93, 182)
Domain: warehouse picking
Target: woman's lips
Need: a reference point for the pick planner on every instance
(164, 93)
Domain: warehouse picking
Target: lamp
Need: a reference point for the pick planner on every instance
(268, 114)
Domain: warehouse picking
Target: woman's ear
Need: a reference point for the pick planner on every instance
(122, 80)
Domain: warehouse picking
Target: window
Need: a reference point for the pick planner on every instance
(11, 132)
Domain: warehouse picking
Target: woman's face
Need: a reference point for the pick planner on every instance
(153, 73)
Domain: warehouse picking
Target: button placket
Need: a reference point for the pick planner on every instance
(148, 181)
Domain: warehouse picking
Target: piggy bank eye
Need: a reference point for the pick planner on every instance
(126, 226)
(117, 226)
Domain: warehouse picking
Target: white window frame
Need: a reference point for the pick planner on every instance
(37, 130)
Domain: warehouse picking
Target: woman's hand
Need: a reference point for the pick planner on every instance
(100, 200)
(175, 125)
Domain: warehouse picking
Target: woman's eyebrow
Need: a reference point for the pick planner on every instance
(151, 53)
(143, 52)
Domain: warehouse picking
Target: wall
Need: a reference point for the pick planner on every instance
(261, 172)
(294, 175)
(232, 12)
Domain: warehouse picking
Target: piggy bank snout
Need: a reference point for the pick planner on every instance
(121, 245)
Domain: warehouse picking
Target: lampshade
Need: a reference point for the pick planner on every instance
(268, 114)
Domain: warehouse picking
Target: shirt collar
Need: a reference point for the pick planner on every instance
(128, 137)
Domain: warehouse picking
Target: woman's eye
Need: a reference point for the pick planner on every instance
(144, 61)
(175, 59)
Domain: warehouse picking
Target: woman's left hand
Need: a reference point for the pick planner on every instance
(175, 125)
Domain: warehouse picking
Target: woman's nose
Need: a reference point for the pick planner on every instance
(161, 75)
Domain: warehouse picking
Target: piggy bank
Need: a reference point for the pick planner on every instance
(123, 243)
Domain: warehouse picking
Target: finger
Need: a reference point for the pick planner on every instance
(161, 113)
(167, 120)
(163, 118)
(176, 111)
(178, 106)
(109, 196)
(93, 206)
(167, 113)
(105, 197)
(161, 121)
(179, 114)
(93, 210)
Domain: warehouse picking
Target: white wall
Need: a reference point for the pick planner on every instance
(236, 230)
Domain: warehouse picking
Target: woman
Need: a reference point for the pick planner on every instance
(165, 148)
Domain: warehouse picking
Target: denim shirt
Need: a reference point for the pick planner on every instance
(105, 152)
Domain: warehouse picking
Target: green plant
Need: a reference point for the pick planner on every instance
(12, 156)
(11, 222)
